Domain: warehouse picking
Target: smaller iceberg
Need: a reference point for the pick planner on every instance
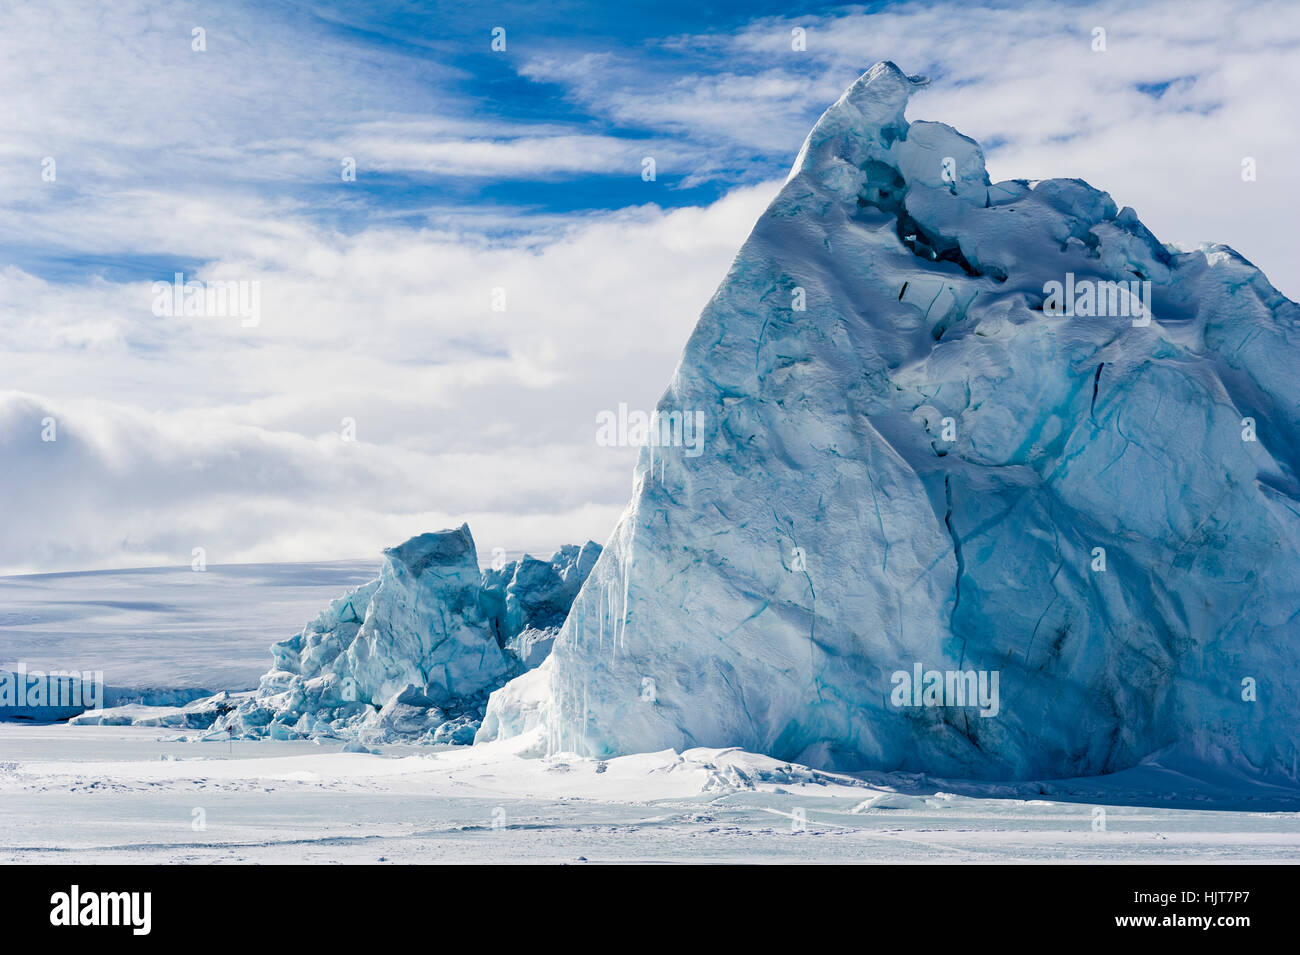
(413, 655)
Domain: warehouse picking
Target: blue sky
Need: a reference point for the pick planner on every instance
(476, 171)
(412, 75)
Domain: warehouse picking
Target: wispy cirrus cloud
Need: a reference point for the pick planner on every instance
(1161, 118)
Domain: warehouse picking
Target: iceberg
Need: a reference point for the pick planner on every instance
(412, 655)
(963, 438)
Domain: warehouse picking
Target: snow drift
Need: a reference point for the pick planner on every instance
(924, 457)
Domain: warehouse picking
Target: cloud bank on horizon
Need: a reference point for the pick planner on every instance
(459, 255)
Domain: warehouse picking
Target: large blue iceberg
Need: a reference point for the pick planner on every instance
(993, 484)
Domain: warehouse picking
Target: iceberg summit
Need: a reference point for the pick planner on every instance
(918, 450)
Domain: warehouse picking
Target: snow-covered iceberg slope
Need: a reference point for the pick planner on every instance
(914, 457)
(413, 654)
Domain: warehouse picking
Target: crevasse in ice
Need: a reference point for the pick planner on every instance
(914, 457)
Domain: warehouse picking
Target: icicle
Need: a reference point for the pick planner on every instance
(613, 626)
(627, 580)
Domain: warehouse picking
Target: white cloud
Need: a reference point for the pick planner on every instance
(176, 433)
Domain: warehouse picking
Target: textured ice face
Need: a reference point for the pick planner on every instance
(910, 467)
(413, 654)
(532, 594)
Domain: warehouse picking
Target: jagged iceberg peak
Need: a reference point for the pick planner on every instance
(993, 484)
(862, 123)
(448, 551)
